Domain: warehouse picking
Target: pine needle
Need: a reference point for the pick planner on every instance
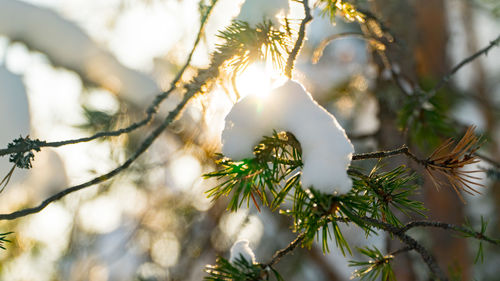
(448, 160)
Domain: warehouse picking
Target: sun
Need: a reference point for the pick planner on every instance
(258, 79)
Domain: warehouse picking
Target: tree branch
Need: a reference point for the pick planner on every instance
(143, 147)
(298, 44)
(448, 226)
(363, 156)
(383, 154)
(283, 252)
(150, 111)
(400, 251)
(412, 244)
(447, 77)
(201, 83)
(318, 52)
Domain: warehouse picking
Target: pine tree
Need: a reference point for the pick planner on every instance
(289, 155)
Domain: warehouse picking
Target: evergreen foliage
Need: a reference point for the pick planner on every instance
(3, 239)
(377, 266)
(262, 43)
(272, 177)
(378, 198)
(242, 269)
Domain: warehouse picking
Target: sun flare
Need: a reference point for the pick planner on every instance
(258, 80)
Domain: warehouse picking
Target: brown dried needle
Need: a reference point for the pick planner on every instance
(448, 161)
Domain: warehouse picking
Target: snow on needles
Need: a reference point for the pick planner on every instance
(326, 150)
(257, 11)
(241, 248)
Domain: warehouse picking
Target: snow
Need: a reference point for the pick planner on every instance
(257, 11)
(326, 150)
(67, 45)
(241, 248)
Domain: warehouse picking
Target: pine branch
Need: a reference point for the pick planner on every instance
(384, 154)
(151, 111)
(378, 265)
(290, 63)
(446, 160)
(412, 244)
(448, 226)
(315, 213)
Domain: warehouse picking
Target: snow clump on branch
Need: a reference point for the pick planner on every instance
(241, 248)
(257, 11)
(326, 150)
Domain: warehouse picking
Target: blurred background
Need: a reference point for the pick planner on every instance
(75, 67)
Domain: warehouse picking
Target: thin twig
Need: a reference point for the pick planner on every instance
(318, 52)
(144, 146)
(383, 154)
(447, 77)
(380, 154)
(412, 243)
(283, 252)
(448, 226)
(150, 112)
(400, 251)
(199, 84)
(363, 156)
(300, 40)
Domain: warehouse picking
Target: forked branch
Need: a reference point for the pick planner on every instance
(151, 111)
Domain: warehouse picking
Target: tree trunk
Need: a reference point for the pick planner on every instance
(420, 29)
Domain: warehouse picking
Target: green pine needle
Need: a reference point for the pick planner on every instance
(3, 239)
(389, 191)
(241, 270)
(269, 177)
(262, 43)
(378, 266)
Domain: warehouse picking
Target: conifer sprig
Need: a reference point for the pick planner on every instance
(269, 176)
(471, 233)
(388, 191)
(242, 269)
(378, 265)
(371, 203)
(273, 176)
(249, 44)
(316, 213)
(332, 8)
(3, 239)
